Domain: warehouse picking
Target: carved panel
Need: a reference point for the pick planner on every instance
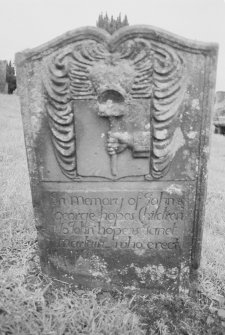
(118, 80)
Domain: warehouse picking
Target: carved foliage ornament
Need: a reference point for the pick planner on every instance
(138, 69)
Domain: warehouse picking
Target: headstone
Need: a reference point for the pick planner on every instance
(219, 113)
(3, 83)
(117, 131)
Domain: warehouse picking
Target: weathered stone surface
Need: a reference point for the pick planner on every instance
(3, 83)
(117, 131)
(221, 313)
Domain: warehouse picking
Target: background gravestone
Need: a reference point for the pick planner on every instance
(3, 83)
(219, 113)
(117, 131)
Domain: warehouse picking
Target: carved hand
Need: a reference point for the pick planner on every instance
(118, 141)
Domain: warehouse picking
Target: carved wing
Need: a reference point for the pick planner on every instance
(160, 76)
(139, 54)
(60, 114)
(168, 88)
(65, 78)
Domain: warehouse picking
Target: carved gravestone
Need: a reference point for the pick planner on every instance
(117, 130)
(3, 83)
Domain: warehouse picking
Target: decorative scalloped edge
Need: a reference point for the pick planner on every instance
(112, 41)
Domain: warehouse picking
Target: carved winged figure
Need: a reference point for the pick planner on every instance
(139, 88)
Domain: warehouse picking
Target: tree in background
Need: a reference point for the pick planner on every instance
(111, 25)
(10, 77)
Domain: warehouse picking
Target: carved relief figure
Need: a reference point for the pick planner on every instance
(138, 87)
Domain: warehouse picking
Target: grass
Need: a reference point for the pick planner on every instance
(30, 304)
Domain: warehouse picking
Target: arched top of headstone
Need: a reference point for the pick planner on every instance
(113, 41)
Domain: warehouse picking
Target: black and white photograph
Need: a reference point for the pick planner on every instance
(112, 167)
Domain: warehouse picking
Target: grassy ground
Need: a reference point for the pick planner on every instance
(29, 304)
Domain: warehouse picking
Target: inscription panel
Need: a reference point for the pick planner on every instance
(134, 220)
(122, 227)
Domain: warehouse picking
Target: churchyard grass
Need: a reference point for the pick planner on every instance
(30, 304)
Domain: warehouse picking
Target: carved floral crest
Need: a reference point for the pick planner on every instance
(138, 69)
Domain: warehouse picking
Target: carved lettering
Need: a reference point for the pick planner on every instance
(138, 220)
(126, 244)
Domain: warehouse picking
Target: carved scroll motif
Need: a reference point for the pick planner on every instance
(139, 69)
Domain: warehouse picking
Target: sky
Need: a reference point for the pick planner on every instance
(29, 23)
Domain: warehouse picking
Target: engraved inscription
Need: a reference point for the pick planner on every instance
(135, 220)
